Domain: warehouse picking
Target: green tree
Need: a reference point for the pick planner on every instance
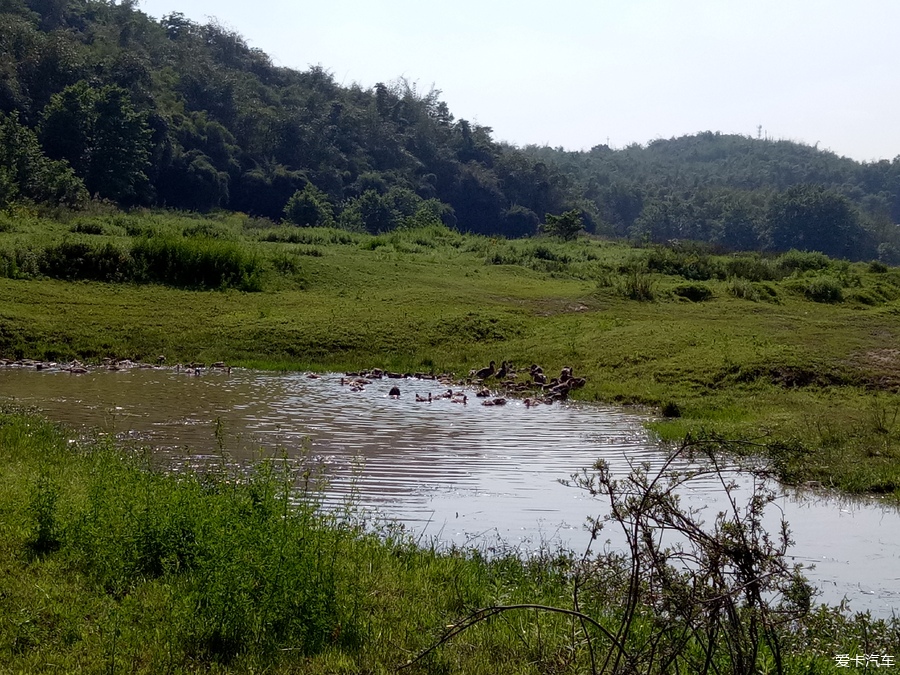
(565, 226)
(813, 218)
(102, 136)
(27, 173)
(309, 207)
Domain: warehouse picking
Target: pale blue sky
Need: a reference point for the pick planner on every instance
(574, 72)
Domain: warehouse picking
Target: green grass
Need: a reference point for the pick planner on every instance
(108, 566)
(794, 349)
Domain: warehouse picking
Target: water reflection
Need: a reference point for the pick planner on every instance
(445, 469)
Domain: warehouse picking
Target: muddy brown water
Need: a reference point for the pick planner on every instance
(464, 474)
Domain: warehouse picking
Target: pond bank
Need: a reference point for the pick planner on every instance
(106, 565)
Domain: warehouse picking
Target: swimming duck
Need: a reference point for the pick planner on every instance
(395, 392)
(423, 399)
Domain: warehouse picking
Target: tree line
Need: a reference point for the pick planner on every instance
(740, 193)
(98, 100)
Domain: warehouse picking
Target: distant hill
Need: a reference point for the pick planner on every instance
(98, 99)
(739, 192)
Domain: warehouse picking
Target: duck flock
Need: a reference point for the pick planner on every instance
(494, 385)
(76, 367)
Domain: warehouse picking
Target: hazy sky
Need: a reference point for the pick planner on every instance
(578, 72)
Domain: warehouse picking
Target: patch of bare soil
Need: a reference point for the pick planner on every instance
(881, 367)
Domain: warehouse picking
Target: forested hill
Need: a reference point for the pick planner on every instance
(187, 116)
(741, 192)
(99, 100)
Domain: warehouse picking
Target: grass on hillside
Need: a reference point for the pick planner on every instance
(795, 350)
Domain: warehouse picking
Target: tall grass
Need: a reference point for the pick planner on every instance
(197, 263)
(184, 262)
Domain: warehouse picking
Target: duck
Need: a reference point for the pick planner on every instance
(483, 393)
(560, 392)
(394, 393)
(486, 372)
(464, 399)
(423, 399)
(537, 374)
(504, 369)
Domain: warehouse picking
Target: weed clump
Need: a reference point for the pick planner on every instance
(637, 285)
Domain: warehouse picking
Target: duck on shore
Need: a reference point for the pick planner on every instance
(486, 372)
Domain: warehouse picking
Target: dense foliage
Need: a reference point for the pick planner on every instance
(741, 193)
(178, 114)
(99, 100)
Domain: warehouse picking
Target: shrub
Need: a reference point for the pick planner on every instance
(83, 227)
(802, 261)
(693, 292)
(80, 260)
(752, 268)
(824, 289)
(688, 264)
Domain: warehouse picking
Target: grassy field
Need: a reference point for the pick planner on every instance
(796, 352)
(106, 566)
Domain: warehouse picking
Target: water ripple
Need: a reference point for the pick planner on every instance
(447, 470)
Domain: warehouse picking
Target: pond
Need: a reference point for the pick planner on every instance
(454, 472)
